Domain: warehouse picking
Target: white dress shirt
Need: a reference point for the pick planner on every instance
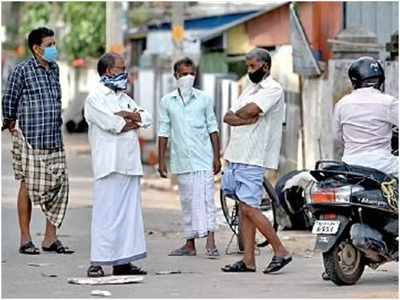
(113, 151)
(259, 144)
(363, 125)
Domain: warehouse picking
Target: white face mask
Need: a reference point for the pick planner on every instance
(185, 85)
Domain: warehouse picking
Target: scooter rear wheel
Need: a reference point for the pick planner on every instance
(344, 263)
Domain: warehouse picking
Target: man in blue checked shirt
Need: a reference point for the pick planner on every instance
(32, 113)
(188, 122)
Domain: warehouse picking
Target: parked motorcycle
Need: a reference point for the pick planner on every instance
(356, 212)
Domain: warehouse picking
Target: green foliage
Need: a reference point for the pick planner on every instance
(86, 27)
(139, 16)
(33, 15)
(83, 35)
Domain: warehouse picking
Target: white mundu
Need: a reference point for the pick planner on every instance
(117, 234)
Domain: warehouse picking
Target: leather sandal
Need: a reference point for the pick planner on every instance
(58, 247)
(128, 269)
(29, 248)
(238, 266)
(95, 271)
(212, 252)
(277, 263)
(182, 252)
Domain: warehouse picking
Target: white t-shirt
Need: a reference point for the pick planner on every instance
(259, 144)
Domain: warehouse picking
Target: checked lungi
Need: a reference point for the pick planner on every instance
(45, 175)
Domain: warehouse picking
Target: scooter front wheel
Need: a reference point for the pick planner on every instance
(344, 264)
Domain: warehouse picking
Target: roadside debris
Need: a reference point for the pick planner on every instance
(100, 293)
(48, 275)
(168, 272)
(40, 264)
(105, 280)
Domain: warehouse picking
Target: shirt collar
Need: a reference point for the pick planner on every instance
(37, 64)
(366, 90)
(264, 82)
(195, 93)
(104, 90)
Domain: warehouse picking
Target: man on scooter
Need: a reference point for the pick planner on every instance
(363, 119)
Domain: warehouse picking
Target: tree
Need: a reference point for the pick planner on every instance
(83, 26)
(85, 29)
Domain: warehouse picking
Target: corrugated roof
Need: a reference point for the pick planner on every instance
(218, 31)
(205, 23)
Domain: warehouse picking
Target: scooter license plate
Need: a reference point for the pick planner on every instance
(325, 227)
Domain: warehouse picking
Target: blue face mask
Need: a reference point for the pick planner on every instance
(117, 82)
(50, 54)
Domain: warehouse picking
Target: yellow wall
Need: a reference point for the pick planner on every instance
(238, 40)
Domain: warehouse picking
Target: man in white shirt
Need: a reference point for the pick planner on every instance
(253, 148)
(363, 119)
(117, 233)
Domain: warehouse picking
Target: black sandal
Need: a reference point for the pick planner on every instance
(277, 263)
(238, 266)
(95, 271)
(29, 248)
(128, 269)
(58, 247)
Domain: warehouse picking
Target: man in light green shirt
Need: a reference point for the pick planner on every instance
(188, 121)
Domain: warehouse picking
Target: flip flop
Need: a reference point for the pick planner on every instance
(277, 263)
(237, 267)
(58, 247)
(182, 252)
(29, 248)
(212, 252)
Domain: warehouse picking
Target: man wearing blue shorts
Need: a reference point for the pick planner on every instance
(253, 148)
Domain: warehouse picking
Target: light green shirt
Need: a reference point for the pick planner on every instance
(188, 127)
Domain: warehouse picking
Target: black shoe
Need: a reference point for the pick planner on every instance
(95, 271)
(128, 269)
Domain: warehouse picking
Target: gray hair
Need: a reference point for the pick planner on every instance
(106, 61)
(259, 54)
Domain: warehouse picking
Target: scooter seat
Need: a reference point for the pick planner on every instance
(368, 172)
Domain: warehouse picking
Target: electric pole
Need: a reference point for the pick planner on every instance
(114, 27)
(178, 30)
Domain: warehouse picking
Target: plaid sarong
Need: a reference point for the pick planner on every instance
(46, 177)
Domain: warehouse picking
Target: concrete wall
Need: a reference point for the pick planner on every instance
(380, 17)
(392, 78)
(238, 41)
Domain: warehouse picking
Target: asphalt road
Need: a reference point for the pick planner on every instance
(200, 278)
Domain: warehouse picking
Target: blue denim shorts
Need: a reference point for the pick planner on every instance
(244, 183)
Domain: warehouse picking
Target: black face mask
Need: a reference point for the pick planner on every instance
(257, 75)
